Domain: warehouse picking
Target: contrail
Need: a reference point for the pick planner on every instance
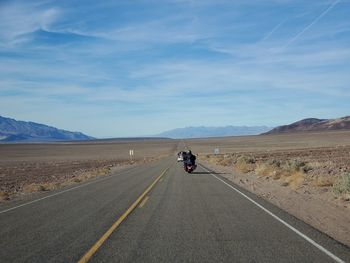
(312, 23)
(273, 30)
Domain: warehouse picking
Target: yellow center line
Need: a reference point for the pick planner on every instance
(144, 201)
(106, 235)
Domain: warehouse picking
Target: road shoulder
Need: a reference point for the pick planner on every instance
(326, 217)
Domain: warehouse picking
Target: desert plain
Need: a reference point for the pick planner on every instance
(30, 168)
(306, 174)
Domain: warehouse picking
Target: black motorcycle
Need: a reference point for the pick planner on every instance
(189, 167)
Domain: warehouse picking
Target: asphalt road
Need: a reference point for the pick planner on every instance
(184, 218)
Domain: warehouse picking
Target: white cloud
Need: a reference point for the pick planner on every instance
(17, 20)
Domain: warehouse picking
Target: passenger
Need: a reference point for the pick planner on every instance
(191, 157)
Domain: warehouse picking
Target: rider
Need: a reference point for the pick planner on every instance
(191, 157)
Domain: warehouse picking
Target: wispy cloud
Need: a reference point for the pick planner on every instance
(17, 20)
(111, 62)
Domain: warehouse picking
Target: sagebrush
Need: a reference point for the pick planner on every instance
(342, 185)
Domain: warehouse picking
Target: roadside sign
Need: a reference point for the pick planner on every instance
(131, 154)
(216, 151)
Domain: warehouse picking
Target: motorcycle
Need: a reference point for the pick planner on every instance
(189, 167)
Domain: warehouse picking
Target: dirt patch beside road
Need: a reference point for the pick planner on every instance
(29, 177)
(28, 168)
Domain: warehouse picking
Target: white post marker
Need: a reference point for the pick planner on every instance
(216, 151)
(131, 154)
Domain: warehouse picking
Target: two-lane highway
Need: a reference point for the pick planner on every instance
(198, 218)
(184, 218)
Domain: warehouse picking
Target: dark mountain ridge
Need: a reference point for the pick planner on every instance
(313, 124)
(12, 130)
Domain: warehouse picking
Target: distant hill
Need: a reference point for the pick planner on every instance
(204, 132)
(313, 124)
(12, 131)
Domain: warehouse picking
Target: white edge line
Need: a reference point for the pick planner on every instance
(328, 253)
(64, 191)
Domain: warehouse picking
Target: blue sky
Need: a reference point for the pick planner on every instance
(131, 68)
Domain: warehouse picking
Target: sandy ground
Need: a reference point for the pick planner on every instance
(28, 168)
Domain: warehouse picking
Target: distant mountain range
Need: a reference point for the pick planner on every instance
(20, 131)
(205, 132)
(12, 130)
(313, 124)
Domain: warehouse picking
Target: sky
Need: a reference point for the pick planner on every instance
(135, 68)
